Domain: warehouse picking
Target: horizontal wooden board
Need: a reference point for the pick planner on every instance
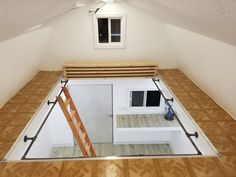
(110, 77)
(109, 64)
(110, 70)
(107, 72)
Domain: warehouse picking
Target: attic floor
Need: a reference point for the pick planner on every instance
(214, 121)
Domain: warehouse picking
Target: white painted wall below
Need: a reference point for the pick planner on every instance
(42, 146)
(121, 94)
(180, 144)
(20, 58)
(209, 63)
(72, 38)
(120, 100)
(59, 128)
(56, 131)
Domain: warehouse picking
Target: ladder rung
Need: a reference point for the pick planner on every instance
(78, 125)
(72, 114)
(67, 101)
(83, 136)
(87, 147)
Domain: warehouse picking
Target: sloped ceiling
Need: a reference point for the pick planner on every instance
(16, 16)
(213, 18)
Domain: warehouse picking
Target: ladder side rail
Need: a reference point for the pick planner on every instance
(72, 107)
(78, 119)
(71, 124)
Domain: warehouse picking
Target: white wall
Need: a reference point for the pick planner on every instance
(120, 97)
(59, 128)
(209, 63)
(20, 59)
(42, 146)
(55, 132)
(121, 94)
(72, 38)
(180, 144)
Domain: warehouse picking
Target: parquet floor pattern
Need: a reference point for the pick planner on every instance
(215, 122)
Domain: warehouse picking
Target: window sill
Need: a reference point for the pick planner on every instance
(110, 46)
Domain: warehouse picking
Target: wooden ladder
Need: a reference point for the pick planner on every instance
(75, 123)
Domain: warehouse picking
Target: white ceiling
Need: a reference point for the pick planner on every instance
(16, 16)
(213, 18)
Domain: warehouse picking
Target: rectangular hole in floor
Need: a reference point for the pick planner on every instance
(116, 126)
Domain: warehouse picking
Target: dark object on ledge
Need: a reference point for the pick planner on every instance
(169, 115)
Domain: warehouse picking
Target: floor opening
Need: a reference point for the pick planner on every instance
(122, 117)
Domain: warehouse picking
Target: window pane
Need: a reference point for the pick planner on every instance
(115, 38)
(137, 98)
(103, 30)
(153, 98)
(115, 30)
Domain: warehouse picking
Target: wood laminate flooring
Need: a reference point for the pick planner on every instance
(219, 126)
(103, 150)
(144, 120)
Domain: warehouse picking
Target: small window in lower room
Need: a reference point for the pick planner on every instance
(137, 98)
(150, 98)
(153, 98)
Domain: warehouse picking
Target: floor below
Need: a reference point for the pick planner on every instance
(144, 120)
(214, 121)
(103, 150)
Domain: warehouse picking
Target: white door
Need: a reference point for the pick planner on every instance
(94, 104)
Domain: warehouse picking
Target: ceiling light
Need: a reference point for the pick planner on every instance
(108, 1)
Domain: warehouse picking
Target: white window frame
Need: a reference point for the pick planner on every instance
(110, 44)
